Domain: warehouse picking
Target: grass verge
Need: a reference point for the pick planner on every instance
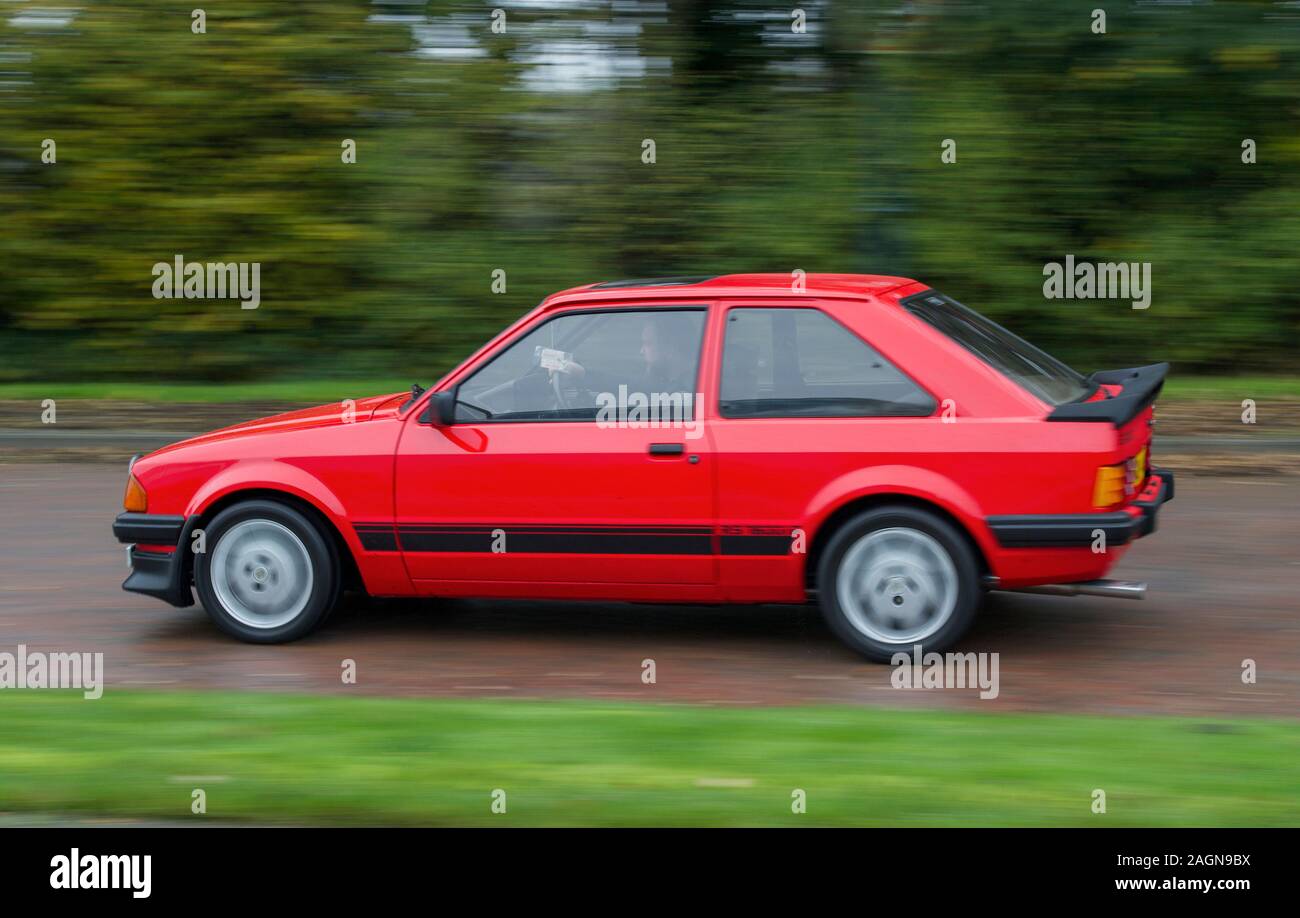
(274, 758)
(1230, 388)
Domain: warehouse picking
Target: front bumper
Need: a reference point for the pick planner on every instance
(1078, 530)
(161, 574)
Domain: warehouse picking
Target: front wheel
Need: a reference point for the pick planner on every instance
(268, 575)
(897, 577)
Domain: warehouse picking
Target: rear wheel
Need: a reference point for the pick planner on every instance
(893, 578)
(269, 574)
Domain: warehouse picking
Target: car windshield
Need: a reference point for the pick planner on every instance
(1039, 372)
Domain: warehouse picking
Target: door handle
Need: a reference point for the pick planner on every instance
(666, 449)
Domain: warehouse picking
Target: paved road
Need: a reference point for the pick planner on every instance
(1223, 573)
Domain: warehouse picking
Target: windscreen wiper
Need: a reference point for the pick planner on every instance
(416, 391)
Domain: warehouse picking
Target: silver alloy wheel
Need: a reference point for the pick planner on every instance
(261, 573)
(897, 585)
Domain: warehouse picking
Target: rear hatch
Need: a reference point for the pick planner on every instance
(1125, 400)
(1121, 399)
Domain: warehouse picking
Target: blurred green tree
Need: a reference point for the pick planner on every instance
(521, 151)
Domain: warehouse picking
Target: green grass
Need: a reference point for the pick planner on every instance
(1218, 388)
(329, 390)
(277, 758)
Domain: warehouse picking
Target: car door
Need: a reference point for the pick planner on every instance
(555, 472)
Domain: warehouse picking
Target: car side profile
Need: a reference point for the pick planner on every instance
(864, 442)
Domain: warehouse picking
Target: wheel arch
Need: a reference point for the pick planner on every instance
(837, 517)
(351, 573)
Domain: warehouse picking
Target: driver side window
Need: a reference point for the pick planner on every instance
(577, 365)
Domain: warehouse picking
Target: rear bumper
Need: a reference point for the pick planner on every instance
(1159, 490)
(1078, 530)
(160, 574)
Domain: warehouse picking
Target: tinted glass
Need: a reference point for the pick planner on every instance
(575, 366)
(1039, 372)
(803, 363)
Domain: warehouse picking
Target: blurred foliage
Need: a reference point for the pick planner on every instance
(522, 150)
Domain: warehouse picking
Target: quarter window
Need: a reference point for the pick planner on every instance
(802, 363)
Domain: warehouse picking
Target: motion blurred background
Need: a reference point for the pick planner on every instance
(480, 150)
(521, 150)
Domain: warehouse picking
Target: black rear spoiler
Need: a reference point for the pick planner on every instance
(1140, 386)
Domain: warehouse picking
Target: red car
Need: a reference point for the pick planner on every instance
(859, 440)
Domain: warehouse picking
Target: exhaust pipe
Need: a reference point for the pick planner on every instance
(1119, 589)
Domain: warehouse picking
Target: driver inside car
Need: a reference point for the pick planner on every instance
(665, 367)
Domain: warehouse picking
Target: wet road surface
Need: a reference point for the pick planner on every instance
(1224, 572)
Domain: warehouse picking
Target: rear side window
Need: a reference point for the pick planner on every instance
(1013, 356)
(782, 363)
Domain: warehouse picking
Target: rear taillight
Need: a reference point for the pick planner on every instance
(1108, 489)
(1137, 470)
(1116, 483)
(135, 500)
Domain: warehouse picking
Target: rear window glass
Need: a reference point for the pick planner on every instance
(787, 363)
(1036, 370)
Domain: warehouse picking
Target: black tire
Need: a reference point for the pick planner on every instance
(320, 551)
(968, 591)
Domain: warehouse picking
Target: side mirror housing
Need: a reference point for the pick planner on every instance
(441, 410)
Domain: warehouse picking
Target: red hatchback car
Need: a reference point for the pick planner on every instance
(862, 440)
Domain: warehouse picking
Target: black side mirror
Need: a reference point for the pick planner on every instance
(441, 409)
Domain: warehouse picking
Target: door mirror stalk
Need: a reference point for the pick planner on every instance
(441, 410)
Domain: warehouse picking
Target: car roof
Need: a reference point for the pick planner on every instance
(729, 285)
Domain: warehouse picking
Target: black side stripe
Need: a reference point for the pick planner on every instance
(585, 540)
(569, 543)
(598, 530)
(377, 536)
(756, 544)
